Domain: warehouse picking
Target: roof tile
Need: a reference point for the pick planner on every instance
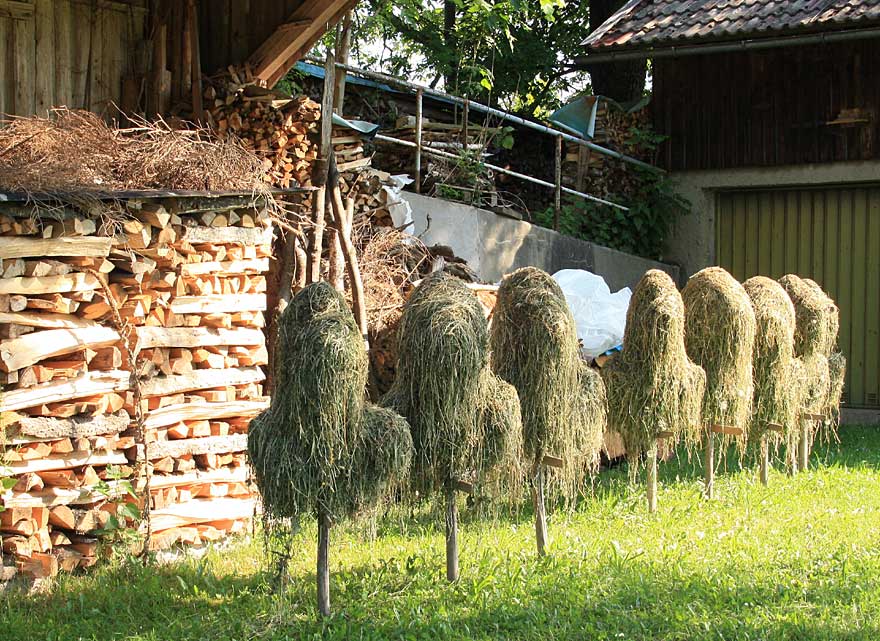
(642, 23)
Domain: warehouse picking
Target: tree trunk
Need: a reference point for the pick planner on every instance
(540, 512)
(622, 81)
(451, 536)
(449, 19)
(323, 571)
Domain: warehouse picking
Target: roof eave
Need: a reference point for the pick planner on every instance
(617, 54)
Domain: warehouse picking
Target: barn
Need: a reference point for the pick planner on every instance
(771, 112)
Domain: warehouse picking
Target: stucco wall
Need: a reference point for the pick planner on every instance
(692, 245)
(495, 245)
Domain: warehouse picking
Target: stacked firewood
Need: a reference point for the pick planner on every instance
(173, 291)
(280, 129)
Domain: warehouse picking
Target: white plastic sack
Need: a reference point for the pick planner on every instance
(600, 316)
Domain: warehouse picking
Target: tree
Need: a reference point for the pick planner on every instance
(516, 54)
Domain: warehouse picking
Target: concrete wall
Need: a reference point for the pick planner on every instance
(692, 245)
(495, 245)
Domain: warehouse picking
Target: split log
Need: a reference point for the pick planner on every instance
(24, 247)
(37, 346)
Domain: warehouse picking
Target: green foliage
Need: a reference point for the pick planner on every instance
(797, 561)
(653, 202)
(120, 494)
(513, 53)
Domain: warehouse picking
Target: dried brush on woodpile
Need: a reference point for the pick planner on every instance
(654, 390)
(720, 337)
(318, 449)
(778, 386)
(810, 341)
(836, 360)
(442, 357)
(76, 154)
(534, 347)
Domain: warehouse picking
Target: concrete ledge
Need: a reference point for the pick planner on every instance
(495, 245)
(852, 416)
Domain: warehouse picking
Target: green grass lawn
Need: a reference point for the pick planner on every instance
(798, 560)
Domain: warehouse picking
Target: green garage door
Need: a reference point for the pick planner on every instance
(831, 235)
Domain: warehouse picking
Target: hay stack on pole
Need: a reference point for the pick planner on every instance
(534, 347)
(441, 388)
(720, 337)
(318, 448)
(777, 383)
(836, 359)
(654, 390)
(810, 344)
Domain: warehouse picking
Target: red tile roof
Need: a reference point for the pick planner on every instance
(641, 24)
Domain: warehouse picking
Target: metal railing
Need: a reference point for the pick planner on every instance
(467, 105)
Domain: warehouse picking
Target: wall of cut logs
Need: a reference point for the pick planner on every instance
(132, 337)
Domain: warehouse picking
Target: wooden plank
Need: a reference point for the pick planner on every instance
(174, 414)
(872, 300)
(90, 384)
(201, 379)
(63, 53)
(44, 20)
(222, 235)
(15, 10)
(196, 477)
(6, 74)
(223, 268)
(80, 60)
(200, 511)
(46, 320)
(50, 463)
(60, 496)
(48, 428)
(24, 52)
(37, 346)
(26, 247)
(196, 336)
(232, 443)
(76, 282)
(217, 303)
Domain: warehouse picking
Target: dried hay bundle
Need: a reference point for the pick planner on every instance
(318, 448)
(443, 388)
(653, 387)
(720, 338)
(535, 348)
(777, 385)
(459, 433)
(73, 153)
(810, 341)
(836, 359)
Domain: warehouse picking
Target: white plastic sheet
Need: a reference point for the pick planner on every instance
(600, 316)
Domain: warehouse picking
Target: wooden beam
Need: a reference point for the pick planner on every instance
(218, 303)
(283, 48)
(37, 346)
(222, 235)
(76, 282)
(47, 428)
(173, 414)
(89, 384)
(77, 459)
(46, 320)
(200, 511)
(25, 247)
(201, 379)
(197, 337)
(224, 268)
(206, 445)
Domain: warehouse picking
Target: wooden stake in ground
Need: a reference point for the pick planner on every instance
(709, 465)
(652, 480)
(323, 572)
(451, 536)
(540, 512)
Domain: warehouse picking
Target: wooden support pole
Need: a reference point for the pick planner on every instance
(465, 123)
(343, 46)
(540, 512)
(451, 536)
(192, 16)
(417, 170)
(358, 299)
(709, 464)
(804, 445)
(557, 196)
(323, 569)
(765, 461)
(319, 172)
(652, 479)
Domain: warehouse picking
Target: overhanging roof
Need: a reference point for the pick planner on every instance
(647, 28)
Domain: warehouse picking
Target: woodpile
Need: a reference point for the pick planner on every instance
(172, 290)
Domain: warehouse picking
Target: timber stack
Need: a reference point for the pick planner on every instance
(131, 338)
